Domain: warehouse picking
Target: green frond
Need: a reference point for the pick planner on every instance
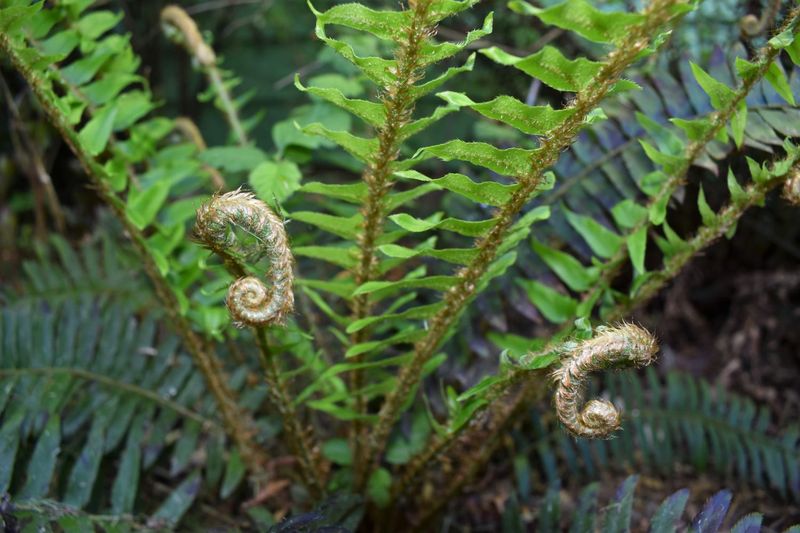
(680, 420)
(85, 385)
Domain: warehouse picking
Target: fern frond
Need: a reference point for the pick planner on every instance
(531, 178)
(99, 269)
(633, 220)
(680, 420)
(84, 385)
(59, 62)
(618, 514)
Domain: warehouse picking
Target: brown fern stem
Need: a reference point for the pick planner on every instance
(398, 105)
(237, 423)
(458, 296)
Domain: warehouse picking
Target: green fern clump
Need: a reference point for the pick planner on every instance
(679, 420)
(383, 280)
(103, 394)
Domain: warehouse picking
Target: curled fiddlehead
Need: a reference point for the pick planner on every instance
(622, 346)
(753, 26)
(250, 301)
(182, 29)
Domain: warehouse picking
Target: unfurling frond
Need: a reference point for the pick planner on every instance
(250, 302)
(623, 346)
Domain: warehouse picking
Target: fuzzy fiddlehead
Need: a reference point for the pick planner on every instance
(617, 347)
(250, 301)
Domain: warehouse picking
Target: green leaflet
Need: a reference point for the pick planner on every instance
(468, 228)
(441, 9)
(371, 112)
(412, 128)
(600, 239)
(359, 147)
(383, 288)
(637, 244)
(344, 257)
(513, 162)
(97, 23)
(346, 228)
(721, 95)
(389, 25)
(350, 192)
(628, 214)
(274, 182)
(418, 91)
(555, 70)
(670, 163)
(418, 313)
(341, 288)
(487, 192)
(576, 276)
(738, 194)
(555, 307)
(584, 19)
(533, 120)
(666, 139)
(396, 199)
(776, 77)
(434, 52)
(377, 69)
(404, 337)
(95, 135)
(233, 158)
(458, 256)
(12, 18)
(143, 205)
(706, 213)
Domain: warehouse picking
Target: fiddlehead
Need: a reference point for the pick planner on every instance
(181, 28)
(616, 347)
(250, 301)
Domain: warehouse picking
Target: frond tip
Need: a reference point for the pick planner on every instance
(623, 346)
(250, 301)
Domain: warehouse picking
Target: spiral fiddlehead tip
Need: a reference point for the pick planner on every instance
(623, 346)
(250, 301)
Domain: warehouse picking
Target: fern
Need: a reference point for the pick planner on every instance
(391, 279)
(100, 269)
(85, 385)
(679, 420)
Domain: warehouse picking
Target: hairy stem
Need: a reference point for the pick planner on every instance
(458, 296)
(253, 303)
(398, 106)
(300, 439)
(237, 424)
